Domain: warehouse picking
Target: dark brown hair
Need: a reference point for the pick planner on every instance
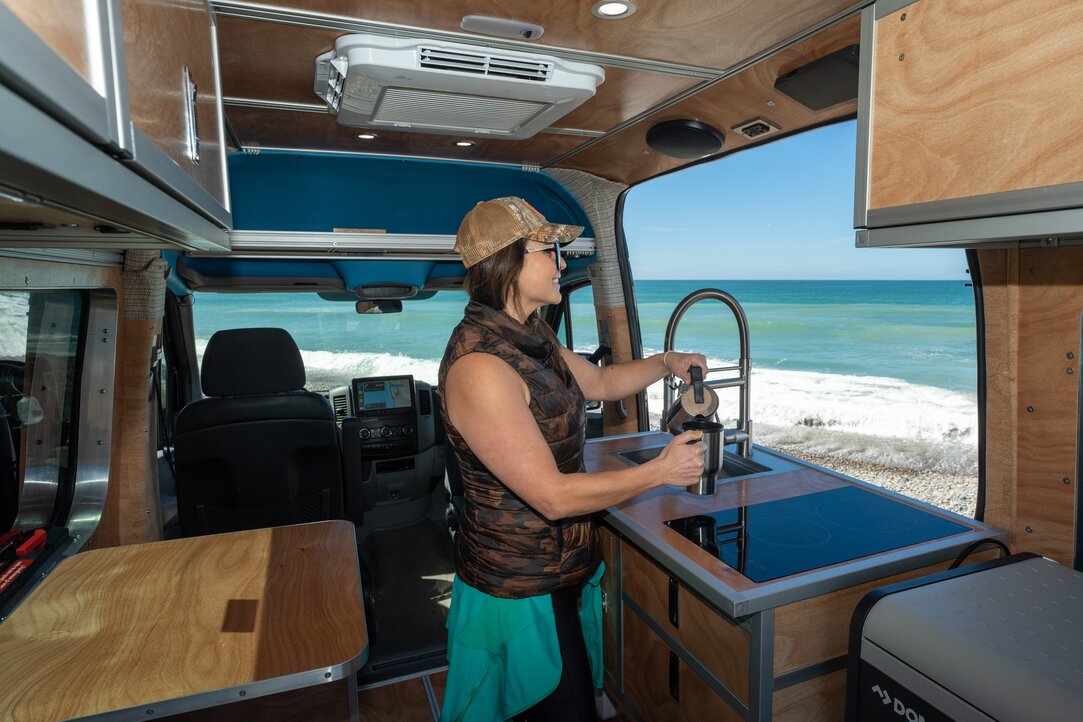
(490, 280)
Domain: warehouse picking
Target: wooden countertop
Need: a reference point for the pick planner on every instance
(642, 519)
(170, 625)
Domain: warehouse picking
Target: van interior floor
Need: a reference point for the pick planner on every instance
(411, 570)
(411, 699)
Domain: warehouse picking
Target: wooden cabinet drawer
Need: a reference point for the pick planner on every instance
(661, 685)
(714, 639)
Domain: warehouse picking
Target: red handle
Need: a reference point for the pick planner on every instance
(36, 541)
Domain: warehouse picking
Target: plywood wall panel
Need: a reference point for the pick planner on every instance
(702, 33)
(1050, 305)
(1033, 301)
(271, 61)
(1000, 286)
(625, 156)
(624, 94)
(288, 74)
(965, 95)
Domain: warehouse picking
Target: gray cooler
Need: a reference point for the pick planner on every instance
(999, 640)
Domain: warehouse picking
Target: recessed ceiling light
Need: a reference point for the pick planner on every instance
(612, 9)
(464, 143)
(367, 136)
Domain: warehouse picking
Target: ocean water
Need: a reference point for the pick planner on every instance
(881, 371)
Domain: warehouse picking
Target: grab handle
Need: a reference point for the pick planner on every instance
(697, 382)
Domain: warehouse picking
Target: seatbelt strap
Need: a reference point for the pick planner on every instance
(165, 437)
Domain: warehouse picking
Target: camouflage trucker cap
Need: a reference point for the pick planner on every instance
(492, 225)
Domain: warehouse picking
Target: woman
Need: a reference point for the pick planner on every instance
(513, 402)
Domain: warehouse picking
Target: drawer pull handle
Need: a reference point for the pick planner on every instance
(674, 677)
(674, 615)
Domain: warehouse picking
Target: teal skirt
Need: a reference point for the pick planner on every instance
(503, 654)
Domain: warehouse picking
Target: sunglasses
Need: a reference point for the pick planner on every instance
(550, 251)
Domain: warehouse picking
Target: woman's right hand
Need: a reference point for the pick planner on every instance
(681, 461)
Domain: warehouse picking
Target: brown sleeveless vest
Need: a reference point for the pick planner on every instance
(505, 548)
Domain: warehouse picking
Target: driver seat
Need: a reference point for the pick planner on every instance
(259, 450)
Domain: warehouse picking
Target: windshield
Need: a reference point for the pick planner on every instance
(338, 344)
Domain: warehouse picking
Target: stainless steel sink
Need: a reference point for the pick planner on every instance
(732, 465)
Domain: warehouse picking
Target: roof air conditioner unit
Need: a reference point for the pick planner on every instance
(372, 81)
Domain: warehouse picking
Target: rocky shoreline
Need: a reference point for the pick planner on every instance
(954, 492)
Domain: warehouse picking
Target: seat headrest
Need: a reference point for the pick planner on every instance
(250, 361)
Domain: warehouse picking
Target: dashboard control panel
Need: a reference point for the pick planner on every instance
(386, 408)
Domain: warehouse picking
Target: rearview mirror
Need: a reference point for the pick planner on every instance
(392, 306)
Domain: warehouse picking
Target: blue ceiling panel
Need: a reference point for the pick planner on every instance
(277, 191)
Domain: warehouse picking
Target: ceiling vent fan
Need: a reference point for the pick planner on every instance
(373, 81)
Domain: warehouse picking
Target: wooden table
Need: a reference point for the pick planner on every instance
(149, 630)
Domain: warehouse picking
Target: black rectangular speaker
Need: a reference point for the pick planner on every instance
(824, 82)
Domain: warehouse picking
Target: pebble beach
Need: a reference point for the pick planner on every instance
(954, 492)
(924, 479)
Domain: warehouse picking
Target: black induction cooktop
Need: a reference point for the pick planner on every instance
(778, 538)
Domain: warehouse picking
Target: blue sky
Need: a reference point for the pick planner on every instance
(782, 211)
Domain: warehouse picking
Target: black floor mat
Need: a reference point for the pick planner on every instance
(411, 570)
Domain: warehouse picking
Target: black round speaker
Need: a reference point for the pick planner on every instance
(685, 139)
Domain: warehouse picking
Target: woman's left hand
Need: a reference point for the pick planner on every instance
(679, 364)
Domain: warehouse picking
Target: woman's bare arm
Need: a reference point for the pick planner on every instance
(611, 383)
(488, 403)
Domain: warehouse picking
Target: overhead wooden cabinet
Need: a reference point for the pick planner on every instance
(105, 106)
(968, 123)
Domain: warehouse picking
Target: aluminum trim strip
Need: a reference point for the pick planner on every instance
(353, 702)
(574, 131)
(1048, 228)
(256, 149)
(216, 64)
(812, 671)
(152, 162)
(430, 694)
(326, 21)
(80, 256)
(761, 665)
(1025, 200)
(324, 110)
(94, 439)
(382, 244)
(720, 689)
(30, 67)
(864, 116)
(219, 697)
(276, 105)
(115, 68)
(886, 7)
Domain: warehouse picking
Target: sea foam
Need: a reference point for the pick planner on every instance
(867, 418)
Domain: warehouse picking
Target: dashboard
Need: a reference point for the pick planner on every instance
(392, 442)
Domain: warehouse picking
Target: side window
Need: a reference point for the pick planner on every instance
(578, 327)
(39, 342)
